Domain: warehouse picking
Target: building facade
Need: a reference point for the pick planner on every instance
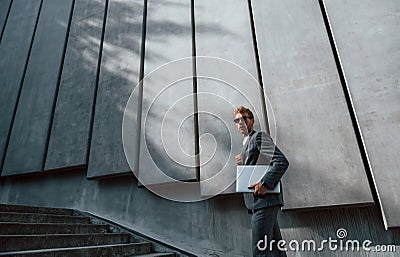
(123, 108)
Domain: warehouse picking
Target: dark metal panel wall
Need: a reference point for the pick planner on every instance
(14, 50)
(69, 140)
(4, 8)
(223, 30)
(367, 35)
(314, 128)
(29, 135)
(119, 74)
(167, 140)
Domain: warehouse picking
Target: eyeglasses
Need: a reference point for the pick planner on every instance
(244, 118)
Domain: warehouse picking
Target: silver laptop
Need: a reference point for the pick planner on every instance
(252, 174)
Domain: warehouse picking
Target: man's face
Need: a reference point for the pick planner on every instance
(243, 123)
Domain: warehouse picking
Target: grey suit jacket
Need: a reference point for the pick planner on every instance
(261, 150)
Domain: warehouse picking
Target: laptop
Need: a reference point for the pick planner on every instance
(252, 174)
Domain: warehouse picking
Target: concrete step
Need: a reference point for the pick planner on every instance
(35, 242)
(33, 209)
(41, 231)
(155, 255)
(113, 250)
(41, 218)
(16, 228)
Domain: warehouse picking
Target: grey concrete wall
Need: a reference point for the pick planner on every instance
(119, 74)
(29, 135)
(14, 52)
(300, 76)
(314, 127)
(223, 84)
(216, 227)
(371, 64)
(167, 140)
(76, 92)
(4, 10)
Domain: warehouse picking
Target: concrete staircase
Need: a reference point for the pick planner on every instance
(55, 232)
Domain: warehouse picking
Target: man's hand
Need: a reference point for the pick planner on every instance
(238, 159)
(259, 189)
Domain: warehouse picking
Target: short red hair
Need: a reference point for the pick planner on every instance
(242, 110)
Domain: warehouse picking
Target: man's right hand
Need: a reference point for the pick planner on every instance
(238, 159)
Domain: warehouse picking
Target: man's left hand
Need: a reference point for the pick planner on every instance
(259, 189)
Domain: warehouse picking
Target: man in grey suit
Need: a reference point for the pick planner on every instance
(259, 149)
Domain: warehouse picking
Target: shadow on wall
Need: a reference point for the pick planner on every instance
(120, 71)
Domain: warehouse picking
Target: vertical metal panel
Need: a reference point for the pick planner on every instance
(14, 50)
(28, 137)
(4, 7)
(167, 142)
(314, 128)
(69, 135)
(367, 35)
(119, 74)
(223, 30)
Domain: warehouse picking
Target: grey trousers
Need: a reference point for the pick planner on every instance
(265, 227)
